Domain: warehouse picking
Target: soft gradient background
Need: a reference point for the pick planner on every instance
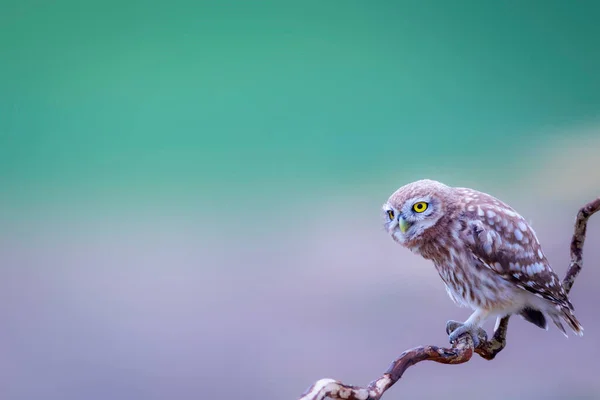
(190, 191)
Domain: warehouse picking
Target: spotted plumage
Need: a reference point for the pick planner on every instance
(488, 256)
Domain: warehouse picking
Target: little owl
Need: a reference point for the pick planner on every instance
(485, 252)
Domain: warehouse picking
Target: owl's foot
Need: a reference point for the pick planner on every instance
(456, 329)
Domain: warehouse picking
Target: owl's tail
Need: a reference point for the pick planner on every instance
(567, 315)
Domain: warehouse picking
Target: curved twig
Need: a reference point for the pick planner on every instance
(577, 242)
(462, 350)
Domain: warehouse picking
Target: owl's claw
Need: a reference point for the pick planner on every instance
(456, 329)
(451, 326)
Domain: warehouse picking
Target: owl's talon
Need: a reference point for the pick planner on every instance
(457, 329)
(451, 326)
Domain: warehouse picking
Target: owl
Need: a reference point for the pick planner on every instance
(487, 255)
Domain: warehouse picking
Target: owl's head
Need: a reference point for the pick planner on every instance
(413, 210)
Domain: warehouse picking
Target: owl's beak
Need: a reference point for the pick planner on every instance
(403, 224)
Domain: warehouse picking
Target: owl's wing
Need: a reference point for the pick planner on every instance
(507, 245)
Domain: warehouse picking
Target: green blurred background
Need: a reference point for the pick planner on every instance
(142, 100)
(200, 147)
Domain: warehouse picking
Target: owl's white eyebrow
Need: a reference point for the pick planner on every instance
(420, 198)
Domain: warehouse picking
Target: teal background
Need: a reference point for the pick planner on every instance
(190, 190)
(199, 98)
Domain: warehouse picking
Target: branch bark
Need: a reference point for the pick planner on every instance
(462, 350)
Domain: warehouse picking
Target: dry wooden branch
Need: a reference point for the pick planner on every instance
(462, 350)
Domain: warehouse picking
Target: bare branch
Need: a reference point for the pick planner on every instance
(577, 242)
(462, 350)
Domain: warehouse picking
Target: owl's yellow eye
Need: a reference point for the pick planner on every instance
(420, 206)
(390, 214)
